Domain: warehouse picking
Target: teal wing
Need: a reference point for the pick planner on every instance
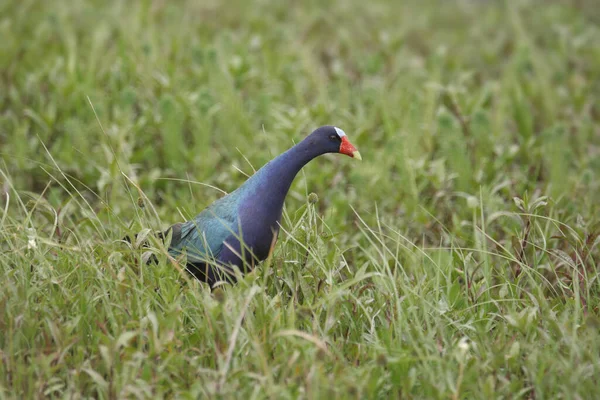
(202, 237)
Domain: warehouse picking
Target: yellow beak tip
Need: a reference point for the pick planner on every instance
(356, 155)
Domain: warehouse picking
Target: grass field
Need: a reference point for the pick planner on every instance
(459, 260)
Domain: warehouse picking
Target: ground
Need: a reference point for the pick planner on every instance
(458, 260)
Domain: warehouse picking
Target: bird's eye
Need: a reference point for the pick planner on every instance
(333, 137)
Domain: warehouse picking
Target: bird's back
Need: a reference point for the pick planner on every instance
(202, 237)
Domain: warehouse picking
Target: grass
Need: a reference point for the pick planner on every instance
(458, 260)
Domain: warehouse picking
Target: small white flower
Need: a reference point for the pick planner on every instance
(31, 243)
(472, 202)
(463, 345)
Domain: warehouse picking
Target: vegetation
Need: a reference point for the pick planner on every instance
(458, 260)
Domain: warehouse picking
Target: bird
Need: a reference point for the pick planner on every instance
(240, 229)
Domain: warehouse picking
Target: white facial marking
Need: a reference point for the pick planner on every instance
(340, 132)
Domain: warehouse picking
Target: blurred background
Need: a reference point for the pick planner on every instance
(441, 97)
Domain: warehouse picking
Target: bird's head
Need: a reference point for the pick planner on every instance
(334, 140)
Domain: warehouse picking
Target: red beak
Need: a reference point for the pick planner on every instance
(348, 149)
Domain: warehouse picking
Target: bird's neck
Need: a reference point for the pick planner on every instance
(272, 182)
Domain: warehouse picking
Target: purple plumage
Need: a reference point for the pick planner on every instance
(240, 229)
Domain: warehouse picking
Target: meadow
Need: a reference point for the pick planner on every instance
(458, 260)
